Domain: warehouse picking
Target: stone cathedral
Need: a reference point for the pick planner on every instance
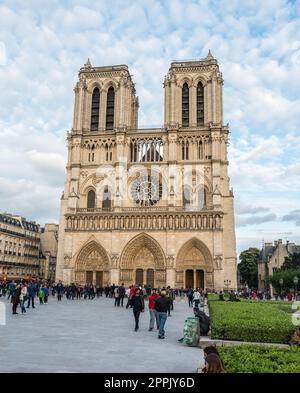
(148, 205)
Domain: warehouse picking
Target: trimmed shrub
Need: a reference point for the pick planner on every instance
(253, 321)
(260, 359)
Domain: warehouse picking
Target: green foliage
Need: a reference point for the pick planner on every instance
(287, 276)
(248, 267)
(292, 262)
(260, 359)
(252, 321)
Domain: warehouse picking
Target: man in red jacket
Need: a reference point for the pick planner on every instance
(152, 311)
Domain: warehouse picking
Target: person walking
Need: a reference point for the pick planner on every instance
(196, 298)
(117, 296)
(41, 295)
(46, 294)
(121, 291)
(31, 294)
(161, 306)
(152, 311)
(15, 298)
(138, 306)
(190, 296)
(23, 297)
(60, 291)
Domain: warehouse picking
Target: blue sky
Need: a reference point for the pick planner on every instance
(257, 44)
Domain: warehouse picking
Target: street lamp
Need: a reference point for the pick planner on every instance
(281, 283)
(295, 279)
(227, 283)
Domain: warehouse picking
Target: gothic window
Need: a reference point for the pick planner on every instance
(92, 154)
(185, 105)
(91, 199)
(95, 109)
(200, 150)
(200, 104)
(106, 201)
(110, 108)
(185, 150)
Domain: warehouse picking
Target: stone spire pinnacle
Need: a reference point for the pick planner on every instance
(209, 55)
(88, 64)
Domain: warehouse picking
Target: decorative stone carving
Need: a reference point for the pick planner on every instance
(67, 261)
(218, 259)
(115, 261)
(170, 261)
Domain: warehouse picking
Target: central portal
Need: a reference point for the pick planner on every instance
(143, 260)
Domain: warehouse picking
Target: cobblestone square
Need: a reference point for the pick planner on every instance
(92, 336)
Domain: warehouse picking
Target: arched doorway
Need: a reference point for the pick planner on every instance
(92, 265)
(150, 278)
(139, 276)
(143, 262)
(194, 266)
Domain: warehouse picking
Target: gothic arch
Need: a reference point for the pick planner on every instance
(204, 255)
(185, 79)
(135, 245)
(93, 85)
(110, 83)
(92, 256)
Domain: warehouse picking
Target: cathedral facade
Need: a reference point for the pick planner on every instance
(148, 206)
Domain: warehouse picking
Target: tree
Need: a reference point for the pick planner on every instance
(287, 276)
(292, 262)
(248, 267)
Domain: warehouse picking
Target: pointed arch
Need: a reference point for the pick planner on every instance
(110, 108)
(92, 256)
(140, 241)
(200, 104)
(185, 105)
(91, 199)
(194, 253)
(95, 109)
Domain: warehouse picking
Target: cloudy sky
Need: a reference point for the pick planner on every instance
(257, 43)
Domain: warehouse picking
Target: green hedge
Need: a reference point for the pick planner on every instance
(260, 359)
(253, 321)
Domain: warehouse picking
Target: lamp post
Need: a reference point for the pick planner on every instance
(281, 283)
(227, 283)
(295, 280)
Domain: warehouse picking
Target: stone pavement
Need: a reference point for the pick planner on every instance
(92, 336)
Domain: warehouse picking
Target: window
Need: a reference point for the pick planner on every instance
(95, 109)
(185, 105)
(92, 154)
(91, 198)
(200, 150)
(200, 104)
(185, 151)
(106, 201)
(110, 108)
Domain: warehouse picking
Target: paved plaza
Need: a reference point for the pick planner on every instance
(92, 336)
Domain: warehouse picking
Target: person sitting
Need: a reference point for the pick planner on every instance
(213, 364)
(295, 341)
(204, 321)
(221, 296)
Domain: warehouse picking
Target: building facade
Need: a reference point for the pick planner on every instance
(48, 252)
(148, 206)
(19, 248)
(272, 257)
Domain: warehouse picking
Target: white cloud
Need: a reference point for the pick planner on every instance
(258, 48)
